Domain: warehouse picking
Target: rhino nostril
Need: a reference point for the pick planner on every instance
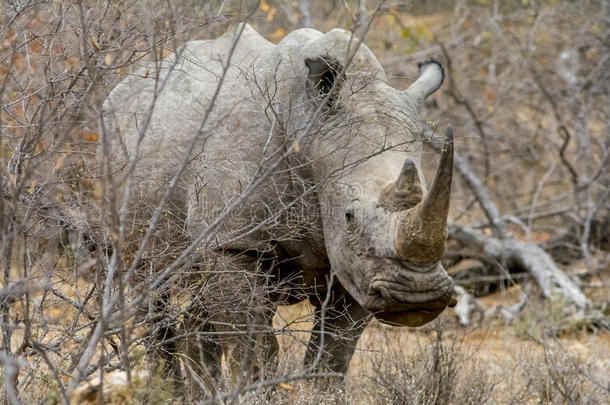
(381, 292)
(375, 300)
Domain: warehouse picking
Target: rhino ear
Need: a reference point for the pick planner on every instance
(323, 71)
(430, 79)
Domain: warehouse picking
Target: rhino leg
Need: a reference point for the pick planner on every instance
(231, 314)
(201, 352)
(251, 356)
(342, 324)
(165, 331)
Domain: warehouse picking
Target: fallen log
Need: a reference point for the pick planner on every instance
(549, 277)
(467, 306)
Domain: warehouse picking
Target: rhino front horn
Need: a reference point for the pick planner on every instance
(423, 229)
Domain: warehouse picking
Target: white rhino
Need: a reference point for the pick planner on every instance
(316, 158)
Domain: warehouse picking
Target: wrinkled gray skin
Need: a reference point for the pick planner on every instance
(369, 218)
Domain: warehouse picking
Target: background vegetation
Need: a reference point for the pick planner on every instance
(527, 91)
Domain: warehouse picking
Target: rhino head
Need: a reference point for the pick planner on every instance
(384, 230)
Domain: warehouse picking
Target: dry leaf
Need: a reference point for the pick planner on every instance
(286, 386)
(94, 44)
(90, 136)
(278, 34)
(271, 14)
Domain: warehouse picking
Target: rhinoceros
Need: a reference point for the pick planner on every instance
(293, 173)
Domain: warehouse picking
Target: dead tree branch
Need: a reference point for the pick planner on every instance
(536, 261)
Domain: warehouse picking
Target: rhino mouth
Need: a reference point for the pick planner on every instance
(410, 318)
(414, 316)
(410, 297)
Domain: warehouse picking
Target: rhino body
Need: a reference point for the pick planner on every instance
(341, 214)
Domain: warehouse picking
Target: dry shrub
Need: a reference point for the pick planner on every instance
(561, 377)
(555, 317)
(321, 391)
(442, 365)
(439, 372)
(436, 365)
(433, 371)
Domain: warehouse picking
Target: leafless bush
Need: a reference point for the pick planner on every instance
(563, 378)
(443, 366)
(533, 99)
(436, 372)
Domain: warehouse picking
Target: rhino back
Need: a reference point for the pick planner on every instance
(154, 115)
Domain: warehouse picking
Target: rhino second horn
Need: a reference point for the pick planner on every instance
(405, 192)
(423, 229)
(408, 177)
(431, 76)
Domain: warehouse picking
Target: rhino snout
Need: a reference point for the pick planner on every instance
(411, 290)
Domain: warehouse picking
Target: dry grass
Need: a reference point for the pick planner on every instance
(446, 364)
